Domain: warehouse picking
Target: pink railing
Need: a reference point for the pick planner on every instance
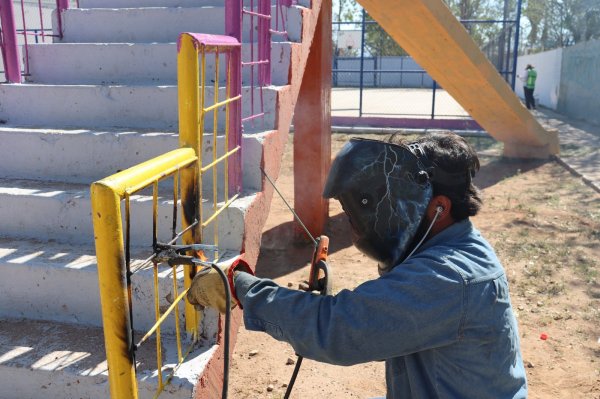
(10, 30)
(260, 20)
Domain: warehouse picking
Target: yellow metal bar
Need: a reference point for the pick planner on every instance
(146, 173)
(227, 95)
(108, 233)
(220, 104)
(200, 235)
(175, 203)
(155, 273)
(217, 213)
(162, 318)
(215, 187)
(190, 135)
(221, 158)
(154, 213)
(157, 325)
(176, 303)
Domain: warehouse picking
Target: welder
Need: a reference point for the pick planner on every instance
(439, 315)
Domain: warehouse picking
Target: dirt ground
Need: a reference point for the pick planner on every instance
(545, 226)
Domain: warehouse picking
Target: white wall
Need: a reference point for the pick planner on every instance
(548, 67)
(580, 83)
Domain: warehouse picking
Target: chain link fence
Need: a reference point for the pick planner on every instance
(373, 76)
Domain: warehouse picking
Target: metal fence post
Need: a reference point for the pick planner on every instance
(10, 52)
(433, 100)
(517, 38)
(362, 62)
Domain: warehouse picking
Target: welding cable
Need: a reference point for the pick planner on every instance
(288, 391)
(227, 328)
(438, 211)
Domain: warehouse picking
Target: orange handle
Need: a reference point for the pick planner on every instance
(320, 254)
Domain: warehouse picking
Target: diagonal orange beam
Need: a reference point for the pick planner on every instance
(431, 34)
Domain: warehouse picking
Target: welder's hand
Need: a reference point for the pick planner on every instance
(208, 290)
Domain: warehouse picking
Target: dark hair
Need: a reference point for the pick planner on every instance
(453, 158)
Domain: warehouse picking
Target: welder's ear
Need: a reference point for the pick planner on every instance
(441, 206)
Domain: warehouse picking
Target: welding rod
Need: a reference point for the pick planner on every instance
(290, 208)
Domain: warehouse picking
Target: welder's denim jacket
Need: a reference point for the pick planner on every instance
(442, 321)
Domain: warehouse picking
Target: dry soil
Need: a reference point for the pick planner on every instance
(545, 226)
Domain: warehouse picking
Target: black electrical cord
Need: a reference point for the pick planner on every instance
(227, 328)
(290, 386)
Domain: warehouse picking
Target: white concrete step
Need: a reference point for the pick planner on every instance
(41, 360)
(57, 211)
(134, 63)
(95, 106)
(59, 282)
(163, 3)
(84, 156)
(140, 25)
(147, 3)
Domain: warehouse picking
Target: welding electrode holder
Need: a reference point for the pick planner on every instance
(319, 278)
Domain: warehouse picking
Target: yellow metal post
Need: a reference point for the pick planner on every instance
(110, 252)
(188, 85)
(108, 233)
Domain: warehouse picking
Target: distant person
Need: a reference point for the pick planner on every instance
(529, 80)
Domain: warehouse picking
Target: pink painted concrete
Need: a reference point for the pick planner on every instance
(10, 52)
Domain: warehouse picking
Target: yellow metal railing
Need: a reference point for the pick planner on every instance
(184, 166)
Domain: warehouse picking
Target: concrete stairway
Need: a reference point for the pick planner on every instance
(101, 100)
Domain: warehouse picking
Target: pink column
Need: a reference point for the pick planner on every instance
(233, 27)
(312, 126)
(61, 5)
(264, 43)
(10, 53)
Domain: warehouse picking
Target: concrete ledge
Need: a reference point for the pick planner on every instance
(59, 282)
(60, 211)
(160, 3)
(52, 360)
(138, 25)
(147, 3)
(132, 107)
(84, 156)
(517, 150)
(131, 64)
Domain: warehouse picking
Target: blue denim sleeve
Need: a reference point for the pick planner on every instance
(418, 305)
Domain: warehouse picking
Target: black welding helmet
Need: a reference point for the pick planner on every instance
(384, 189)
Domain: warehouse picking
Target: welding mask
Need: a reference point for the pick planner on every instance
(384, 189)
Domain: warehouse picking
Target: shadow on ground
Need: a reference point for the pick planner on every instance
(499, 169)
(285, 249)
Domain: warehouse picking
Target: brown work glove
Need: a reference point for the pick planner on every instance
(207, 289)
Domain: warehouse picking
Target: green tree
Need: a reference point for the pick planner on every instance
(378, 43)
(558, 23)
